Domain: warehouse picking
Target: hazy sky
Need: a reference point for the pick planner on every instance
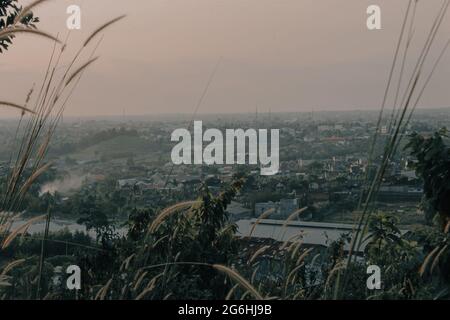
(283, 55)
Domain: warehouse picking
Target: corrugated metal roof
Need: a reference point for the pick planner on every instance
(311, 233)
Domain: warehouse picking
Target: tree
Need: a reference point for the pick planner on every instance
(9, 9)
(95, 218)
(433, 166)
(393, 252)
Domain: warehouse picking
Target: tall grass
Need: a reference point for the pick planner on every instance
(403, 114)
(29, 161)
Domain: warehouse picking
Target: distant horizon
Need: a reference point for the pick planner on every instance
(281, 55)
(260, 112)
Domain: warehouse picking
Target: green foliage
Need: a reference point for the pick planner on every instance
(174, 260)
(138, 222)
(433, 166)
(392, 251)
(202, 235)
(96, 218)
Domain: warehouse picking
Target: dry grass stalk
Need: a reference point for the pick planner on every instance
(239, 279)
(291, 277)
(4, 281)
(231, 292)
(139, 281)
(12, 265)
(257, 253)
(79, 70)
(255, 272)
(292, 216)
(337, 268)
(291, 239)
(101, 28)
(126, 262)
(14, 105)
(13, 30)
(426, 262)
(150, 287)
(101, 294)
(393, 140)
(22, 229)
(50, 103)
(304, 255)
(263, 216)
(33, 177)
(168, 212)
(436, 259)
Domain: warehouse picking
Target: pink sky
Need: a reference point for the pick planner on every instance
(286, 55)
